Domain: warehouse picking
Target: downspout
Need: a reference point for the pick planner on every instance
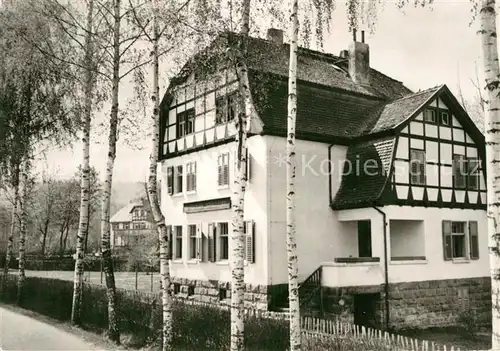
(330, 174)
(386, 269)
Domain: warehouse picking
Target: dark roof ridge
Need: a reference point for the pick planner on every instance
(412, 95)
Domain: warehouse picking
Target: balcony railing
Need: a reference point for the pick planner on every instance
(356, 259)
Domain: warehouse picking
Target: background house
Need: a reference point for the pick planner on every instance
(130, 225)
(391, 221)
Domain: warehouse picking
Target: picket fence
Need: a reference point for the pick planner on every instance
(324, 329)
(329, 329)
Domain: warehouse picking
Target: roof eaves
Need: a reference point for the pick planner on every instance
(438, 88)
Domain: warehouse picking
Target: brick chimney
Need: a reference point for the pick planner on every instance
(359, 60)
(275, 35)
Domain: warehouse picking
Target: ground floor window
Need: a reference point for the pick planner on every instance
(178, 241)
(223, 235)
(460, 240)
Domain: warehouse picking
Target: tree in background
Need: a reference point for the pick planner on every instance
(36, 92)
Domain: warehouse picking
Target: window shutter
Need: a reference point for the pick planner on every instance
(219, 170)
(447, 240)
(170, 242)
(473, 240)
(250, 241)
(226, 170)
(199, 248)
(193, 176)
(211, 243)
(170, 180)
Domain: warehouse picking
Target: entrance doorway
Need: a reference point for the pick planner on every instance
(365, 309)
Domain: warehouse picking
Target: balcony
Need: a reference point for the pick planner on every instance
(352, 272)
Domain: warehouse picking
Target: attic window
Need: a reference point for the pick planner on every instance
(445, 118)
(430, 116)
(225, 108)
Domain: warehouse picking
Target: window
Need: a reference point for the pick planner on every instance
(225, 107)
(170, 180)
(191, 176)
(137, 225)
(190, 290)
(223, 169)
(177, 288)
(178, 179)
(125, 225)
(223, 234)
(460, 240)
(430, 116)
(185, 122)
(193, 242)
(445, 118)
(459, 171)
(472, 173)
(178, 241)
(364, 239)
(417, 166)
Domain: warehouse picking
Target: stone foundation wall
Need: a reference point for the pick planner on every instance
(256, 296)
(439, 303)
(423, 304)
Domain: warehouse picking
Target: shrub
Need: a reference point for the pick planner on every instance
(196, 327)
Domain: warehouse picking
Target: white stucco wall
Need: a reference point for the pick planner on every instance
(407, 238)
(434, 267)
(255, 209)
(317, 226)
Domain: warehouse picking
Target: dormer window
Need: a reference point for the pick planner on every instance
(225, 107)
(430, 116)
(185, 123)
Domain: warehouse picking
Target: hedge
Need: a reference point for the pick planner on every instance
(139, 314)
(195, 326)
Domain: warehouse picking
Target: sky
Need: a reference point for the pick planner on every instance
(422, 47)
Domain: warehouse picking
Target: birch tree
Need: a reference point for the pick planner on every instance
(293, 269)
(84, 169)
(489, 53)
(166, 292)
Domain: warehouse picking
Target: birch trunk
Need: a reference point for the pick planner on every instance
(10, 243)
(166, 292)
(291, 245)
(113, 332)
(237, 245)
(85, 175)
(489, 50)
(23, 218)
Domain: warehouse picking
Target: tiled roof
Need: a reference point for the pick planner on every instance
(392, 114)
(314, 67)
(320, 113)
(366, 171)
(124, 215)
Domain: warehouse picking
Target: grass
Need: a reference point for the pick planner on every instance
(455, 336)
(124, 280)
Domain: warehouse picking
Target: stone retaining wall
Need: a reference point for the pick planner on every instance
(435, 303)
(256, 296)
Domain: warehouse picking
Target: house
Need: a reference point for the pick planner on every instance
(390, 188)
(130, 225)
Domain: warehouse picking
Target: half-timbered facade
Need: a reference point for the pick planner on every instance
(390, 188)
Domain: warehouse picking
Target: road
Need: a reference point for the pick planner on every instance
(22, 332)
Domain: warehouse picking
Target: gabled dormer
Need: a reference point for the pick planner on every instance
(424, 150)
